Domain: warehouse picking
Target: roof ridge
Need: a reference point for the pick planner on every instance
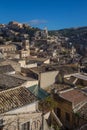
(7, 90)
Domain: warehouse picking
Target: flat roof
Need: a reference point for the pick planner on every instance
(80, 76)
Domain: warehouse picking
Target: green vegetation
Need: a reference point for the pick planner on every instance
(77, 114)
(48, 104)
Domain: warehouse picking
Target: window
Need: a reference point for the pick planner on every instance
(67, 116)
(58, 112)
(26, 126)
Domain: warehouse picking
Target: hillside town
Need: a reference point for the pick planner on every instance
(43, 80)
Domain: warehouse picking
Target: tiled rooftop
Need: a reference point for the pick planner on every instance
(15, 98)
(8, 81)
(6, 69)
(75, 96)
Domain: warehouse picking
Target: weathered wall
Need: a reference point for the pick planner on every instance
(47, 61)
(14, 119)
(65, 107)
(47, 78)
(27, 108)
(30, 83)
(15, 122)
(30, 65)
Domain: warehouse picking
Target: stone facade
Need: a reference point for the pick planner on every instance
(65, 108)
(25, 52)
(7, 48)
(23, 121)
(19, 110)
(69, 102)
(47, 78)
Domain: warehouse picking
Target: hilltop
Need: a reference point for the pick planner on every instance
(75, 35)
(16, 32)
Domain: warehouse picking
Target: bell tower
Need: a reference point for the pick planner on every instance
(46, 31)
(25, 45)
(25, 52)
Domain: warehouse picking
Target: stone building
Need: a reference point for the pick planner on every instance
(43, 34)
(19, 110)
(46, 75)
(8, 48)
(70, 104)
(25, 52)
(15, 25)
(15, 80)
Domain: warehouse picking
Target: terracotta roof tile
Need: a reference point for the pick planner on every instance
(15, 98)
(75, 96)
